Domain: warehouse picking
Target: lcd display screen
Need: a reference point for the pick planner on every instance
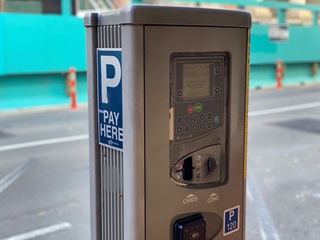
(196, 80)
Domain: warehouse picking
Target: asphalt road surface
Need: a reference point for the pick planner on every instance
(44, 170)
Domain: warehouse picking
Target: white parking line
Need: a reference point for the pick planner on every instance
(40, 232)
(43, 142)
(284, 109)
(267, 228)
(12, 176)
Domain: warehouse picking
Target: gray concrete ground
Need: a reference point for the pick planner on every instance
(44, 170)
(52, 188)
(284, 165)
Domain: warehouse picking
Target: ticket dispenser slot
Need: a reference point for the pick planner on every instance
(199, 104)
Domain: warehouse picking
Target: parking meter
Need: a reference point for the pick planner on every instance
(167, 113)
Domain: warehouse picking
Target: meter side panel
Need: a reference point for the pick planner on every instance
(133, 123)
(165, 200)
(95, 185)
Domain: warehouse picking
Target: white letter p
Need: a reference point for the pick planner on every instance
(109, 82)
(231, 215)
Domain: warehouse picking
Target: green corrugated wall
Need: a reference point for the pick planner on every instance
(36, 51)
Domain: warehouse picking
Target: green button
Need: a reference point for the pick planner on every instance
(199, 107)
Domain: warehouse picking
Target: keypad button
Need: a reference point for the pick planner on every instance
(199, 107)
(202, 117)
(209, 116)
(209, 125)
(202, 126)
(195, 127)
(190, 109)
(187, 128)
(179, 120)
(187, 119)
(179, 129)
(195, 118)
(216, 119)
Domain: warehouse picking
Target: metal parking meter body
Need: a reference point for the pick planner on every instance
(168, 112)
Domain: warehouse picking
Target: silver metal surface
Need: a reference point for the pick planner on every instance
(91, 36)
(161, 192)
(112, 193)
(91, 20)
(179, 16)
(134, 132)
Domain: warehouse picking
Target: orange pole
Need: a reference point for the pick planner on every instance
(73, 89)
(279, 72)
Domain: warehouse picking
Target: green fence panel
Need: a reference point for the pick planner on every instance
(302, 46)
(35, 44)
(36, 51)
(39, 90)
(262, 76)
(299, 73)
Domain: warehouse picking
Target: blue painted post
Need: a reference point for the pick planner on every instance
(66, 6)
(281, 16)
(315, 18)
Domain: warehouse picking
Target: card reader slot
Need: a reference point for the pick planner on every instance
(187, 169)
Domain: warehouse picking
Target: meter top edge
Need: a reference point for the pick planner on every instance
(170, 15)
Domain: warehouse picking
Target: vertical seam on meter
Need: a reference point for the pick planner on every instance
(117, 194)
(122, 159)
(246, 106)
(99, 214)
(144, 129)
(246, 126)
(227, 141)
(96, 145)
(227, 77)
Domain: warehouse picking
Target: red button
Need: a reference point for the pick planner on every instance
(190, 109)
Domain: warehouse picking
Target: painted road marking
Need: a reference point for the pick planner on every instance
(40, 232)
(284, 109)
(12, 176)
(268, 230)
(43, 142)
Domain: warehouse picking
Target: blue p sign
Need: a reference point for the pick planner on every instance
(109, 90)
(231, 220)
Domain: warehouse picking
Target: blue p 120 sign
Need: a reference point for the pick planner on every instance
(231, 220)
